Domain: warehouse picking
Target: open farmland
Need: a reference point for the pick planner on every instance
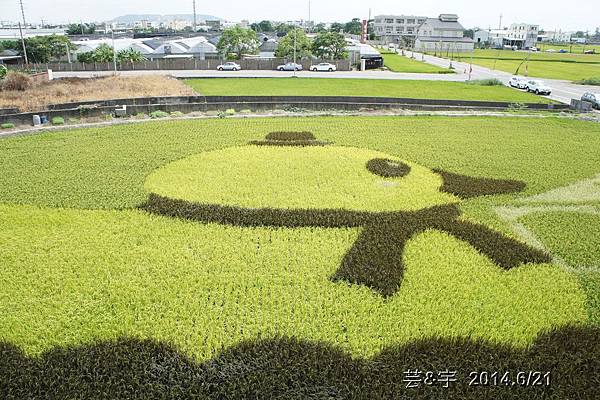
(297, 258)
(358, 87)
(398, 63)
(565, 66)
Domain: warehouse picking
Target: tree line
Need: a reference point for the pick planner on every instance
(237, 41)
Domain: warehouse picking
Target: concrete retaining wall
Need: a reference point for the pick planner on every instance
(188, 104)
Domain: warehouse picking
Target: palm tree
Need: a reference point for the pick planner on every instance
(130, 55)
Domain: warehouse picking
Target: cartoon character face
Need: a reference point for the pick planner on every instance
(293, 180)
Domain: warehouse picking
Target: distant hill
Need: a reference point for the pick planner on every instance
(131, 18)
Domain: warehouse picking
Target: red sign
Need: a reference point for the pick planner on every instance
(365, 29)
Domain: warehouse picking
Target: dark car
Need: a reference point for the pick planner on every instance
(593, 98)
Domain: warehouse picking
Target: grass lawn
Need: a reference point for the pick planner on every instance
(358, 87)
(397, 63)
(541, 65)
(101, 295)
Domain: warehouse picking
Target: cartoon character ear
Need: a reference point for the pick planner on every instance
(467, 187)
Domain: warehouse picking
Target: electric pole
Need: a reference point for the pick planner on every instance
(21, 31)
(308, 25)
(500, 23)
(195, 24)
(23, 44)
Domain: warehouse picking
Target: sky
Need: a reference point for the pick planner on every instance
(550, 14)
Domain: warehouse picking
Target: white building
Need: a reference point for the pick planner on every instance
(522, 35)
(394, 27)
(557, 36)
(491, 37)
(443, 34)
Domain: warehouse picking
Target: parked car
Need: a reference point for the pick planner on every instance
(538, 87)
(229, 66)
(289, 67)
(562, 51)
(534, 49)
(550, 51)
(518, 82)
(593, 98)
(323, 67)
(592, 51)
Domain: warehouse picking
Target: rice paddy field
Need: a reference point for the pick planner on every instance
(314, 257)
(358, 87)
(566, 66)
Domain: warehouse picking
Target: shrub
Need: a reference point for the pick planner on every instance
(590, 81)
(7, 126)
(158, 114)
(58, 121)
(16, 81)
(230, 111)
(486, 82)
(176, 114)
(3, 71)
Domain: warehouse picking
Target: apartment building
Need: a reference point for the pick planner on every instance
(522, 35)
(394, 27)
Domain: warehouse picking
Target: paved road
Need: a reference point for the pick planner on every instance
(271, 74)
(563, 91)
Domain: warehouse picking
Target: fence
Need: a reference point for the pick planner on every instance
(178, 64)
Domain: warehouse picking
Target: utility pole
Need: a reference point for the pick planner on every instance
(23, 14)
(114, 51)
(23, 44)
(295, 34)
(308, 25)
(81, 24)
(195, 22)
(500, 23)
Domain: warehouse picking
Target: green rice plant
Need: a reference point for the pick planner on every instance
(7, 125)
(58, 121)
(158, 114)
(287, 366)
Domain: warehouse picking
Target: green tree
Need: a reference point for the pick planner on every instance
(353, 27)
(130, 55)
(320, 27)
(330, 45)
(86, 57)
(263, 26)
(238, 41)
(285, 48)
(79, 29)
(283, 29)
(42, 49)
(103, 53)
(336, 27)
(3, 71)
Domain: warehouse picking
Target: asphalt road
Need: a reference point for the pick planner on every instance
(562, 91)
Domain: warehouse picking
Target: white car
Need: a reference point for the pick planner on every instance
(518, 82)
(323, 67)
(229, 66)
(534, 49)
(538, 87)
(289, 67)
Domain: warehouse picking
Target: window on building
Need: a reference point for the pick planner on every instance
(389, 20)
(421, 21)
(409, 30)
(400, 21)
(399, 29)
(388, 29)
(410, 21)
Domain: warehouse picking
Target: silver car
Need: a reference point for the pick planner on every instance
(289, 67)
(593, 98)
(229, 66)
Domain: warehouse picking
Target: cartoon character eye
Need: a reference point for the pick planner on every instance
(387, 168)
